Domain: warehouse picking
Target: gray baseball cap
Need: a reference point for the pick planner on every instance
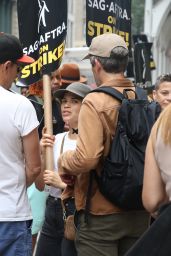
(102, 45)
(76, 88)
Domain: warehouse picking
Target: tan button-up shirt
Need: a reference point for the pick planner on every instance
(97, 124)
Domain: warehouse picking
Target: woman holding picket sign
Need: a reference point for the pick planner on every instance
(71, 100)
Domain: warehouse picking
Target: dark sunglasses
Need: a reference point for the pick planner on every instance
(19, 67)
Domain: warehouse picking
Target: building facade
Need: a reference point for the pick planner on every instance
(76, 23)
(6, 13)
(157, 26)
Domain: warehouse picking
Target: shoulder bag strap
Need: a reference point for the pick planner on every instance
(62, 144)
(141, 93)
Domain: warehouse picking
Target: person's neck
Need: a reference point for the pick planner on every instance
(111, 76)
(73, 133)
(72, 136)
(4, 85)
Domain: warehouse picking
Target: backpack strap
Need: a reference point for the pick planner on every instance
(93, 175)
(141, 93)
(88, 195)
(110, 91)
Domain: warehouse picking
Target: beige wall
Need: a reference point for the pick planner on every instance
(79, 23)
(76, 23)
(157, 26)
(14, 20)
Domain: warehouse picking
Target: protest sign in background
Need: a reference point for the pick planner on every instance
(107, 16)
(142, 38)
(42, 32)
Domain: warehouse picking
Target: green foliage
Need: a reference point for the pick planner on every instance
(137, 16)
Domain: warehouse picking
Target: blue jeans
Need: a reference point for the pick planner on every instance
(49, 243)
(15, 238)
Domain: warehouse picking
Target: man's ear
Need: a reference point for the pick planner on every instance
(98, 65)
(7, 64)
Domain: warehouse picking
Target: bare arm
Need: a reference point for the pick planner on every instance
(46, 140)
(53, 179)
(39, 182)
(48, 177)
(154, 193)
(32, 156)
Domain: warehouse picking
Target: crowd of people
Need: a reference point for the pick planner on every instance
(33, 221)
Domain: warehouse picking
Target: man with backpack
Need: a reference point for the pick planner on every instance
(103, 228)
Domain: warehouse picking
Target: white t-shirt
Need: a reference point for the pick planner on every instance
(68, 145)
(17, 119)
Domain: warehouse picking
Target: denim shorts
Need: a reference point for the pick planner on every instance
(15, 238)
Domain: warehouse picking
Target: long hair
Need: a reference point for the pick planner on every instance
(164, 124)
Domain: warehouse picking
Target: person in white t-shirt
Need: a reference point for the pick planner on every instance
(52, 241)
(19, 152)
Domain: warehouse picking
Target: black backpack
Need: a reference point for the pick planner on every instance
(121, 178)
